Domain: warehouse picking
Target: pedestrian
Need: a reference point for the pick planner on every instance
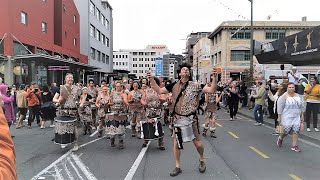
(22, 105)
(293, 77)
(102, 103)
(312, 97)
(233, 96)
(281, 89)
(185, 94)
(93, 92)
(7, 99)
(8, 169)
(34, 98)
(290, 116)
(47, 108)
(85, 111)
(259, 102)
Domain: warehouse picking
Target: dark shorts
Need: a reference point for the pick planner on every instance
(23, 111)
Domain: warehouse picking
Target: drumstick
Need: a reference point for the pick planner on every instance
(142, 136)
(156, 133)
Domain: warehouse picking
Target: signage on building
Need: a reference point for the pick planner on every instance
(159, 66)
(158, 47)
(58, 68)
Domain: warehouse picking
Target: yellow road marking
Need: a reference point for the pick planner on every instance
(219, 125)
(294, 177)
(259, 152)
(233, 134)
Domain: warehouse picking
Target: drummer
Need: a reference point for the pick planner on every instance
(136, 108)
(93, 92)
(67, 98)
(102, 103)
(85, 110)
(116, 122)
(152, 102)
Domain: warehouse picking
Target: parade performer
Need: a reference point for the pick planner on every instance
(102, 103)
(116, 121)
(211, 100)
(85, 110)
(152, 102)
(68, 99)
(136, 108)
(185, 95)
(93, 91)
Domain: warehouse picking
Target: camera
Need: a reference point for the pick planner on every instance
(36, 90)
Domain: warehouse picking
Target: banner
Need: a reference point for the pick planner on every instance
(159, 66)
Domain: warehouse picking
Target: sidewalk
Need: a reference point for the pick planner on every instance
(312, 136)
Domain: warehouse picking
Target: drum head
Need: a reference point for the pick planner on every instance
(65, 119)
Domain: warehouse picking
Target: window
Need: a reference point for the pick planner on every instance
(135, 65)
(146, 71)
(134, 71)
(65, 34)
(117, 63)
(92, 8)
(140, 71)
(98, 35)
(116, 56)
(92, 29)
(242, 34)
(74, 18)
(146, 59)
(24, 18)
(93, 53)
(103, 19)
(107, 59)
(98, 14)
(98, 55)
(140, 59)
(107, 40)
(134, 59)
(103, 38)
(122, 63)
(107, 24)
(153, 65)
(103, 58)
(146, 65)
(126, 63)
(126, 56)
(275, 34)
(140, 65)
(242, 55)
(141, 53)
(135, 53)
(44, 27)
(75, 42)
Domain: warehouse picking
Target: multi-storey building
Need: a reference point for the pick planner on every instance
(230, 45)
(40, 41)
(146, 59)
(122, 60)
(191, 41)
(202, 63)
(170, 65)
(96, 32)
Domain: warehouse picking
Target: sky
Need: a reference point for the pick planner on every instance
(138, 23)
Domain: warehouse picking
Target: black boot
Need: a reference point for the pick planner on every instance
(85, 130)
(121, 144)
(112, 142)
(133, 130)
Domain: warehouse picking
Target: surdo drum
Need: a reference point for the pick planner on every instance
(151, 131)
(64, 130)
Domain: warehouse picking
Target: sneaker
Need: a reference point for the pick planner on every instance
(257, 124)
(279, 142)
(308, 129)
(296, 148)
(75, 148)
(93, 127)
(176, 171)
(42, 127)
(202, 166)
(231, 119)
(316, 129)
(275, 134)
(52, 126)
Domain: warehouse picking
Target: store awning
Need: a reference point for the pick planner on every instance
(301, 49)
(52, 60)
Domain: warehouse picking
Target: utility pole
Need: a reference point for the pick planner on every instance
(251, 44)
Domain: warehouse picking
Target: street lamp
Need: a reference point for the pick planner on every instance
(251, 44)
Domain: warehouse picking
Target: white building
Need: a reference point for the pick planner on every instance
(96, 35)
(141, 60)
(122, 61)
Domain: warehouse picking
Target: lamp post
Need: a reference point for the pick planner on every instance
(197, 77)
(251, 43)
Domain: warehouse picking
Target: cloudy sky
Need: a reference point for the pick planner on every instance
(138, 23)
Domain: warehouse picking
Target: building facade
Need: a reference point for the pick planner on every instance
(230, 49)
(96, 32)
(191, 41)
(202, 61)
(122, 61)
(144, 60)
(40, 41)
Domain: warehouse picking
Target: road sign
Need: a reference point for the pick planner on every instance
(159, 66)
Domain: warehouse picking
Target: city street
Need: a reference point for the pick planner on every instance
(240, 151)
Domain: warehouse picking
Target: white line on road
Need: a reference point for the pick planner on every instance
(94, 133)
(61, 158)
(83, 168)
(136, 163)
(58, 175)
(68, 172)
(75, 168)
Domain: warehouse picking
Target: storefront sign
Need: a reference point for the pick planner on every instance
(58, 68)
(158, 47)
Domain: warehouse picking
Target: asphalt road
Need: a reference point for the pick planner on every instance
(241, 151)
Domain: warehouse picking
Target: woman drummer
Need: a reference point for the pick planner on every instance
(102, 104)
(152, 102)
(116, 122)
(85, 110)
(136, 108)
(67, 98)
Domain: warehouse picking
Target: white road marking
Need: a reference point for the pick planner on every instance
(83, 168)
(75, 168)
(61, 158)
(136, 163)
(94, 133)
(58, 175)
(42, 178)
(68, 172)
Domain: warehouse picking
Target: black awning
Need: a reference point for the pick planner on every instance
(299, 49)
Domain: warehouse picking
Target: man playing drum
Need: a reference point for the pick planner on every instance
(185, 94)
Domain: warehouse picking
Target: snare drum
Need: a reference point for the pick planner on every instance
(64, 130)
(151, 131)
